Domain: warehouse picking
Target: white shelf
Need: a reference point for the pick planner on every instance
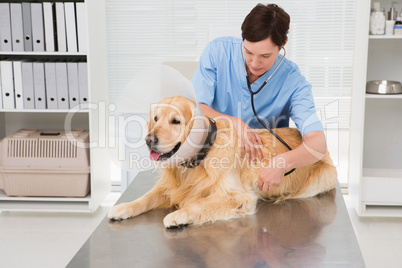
(13, 119)
(45, 204)
(375, 192)
(42, 111)
(382, 173)
(369, 210)
(5, 197)
(384, 37)
(381, 192)
(36, 53)
(383, 96)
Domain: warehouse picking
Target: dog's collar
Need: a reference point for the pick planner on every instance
(209, 141)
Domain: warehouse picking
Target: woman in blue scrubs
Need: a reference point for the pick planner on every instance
(221, 87)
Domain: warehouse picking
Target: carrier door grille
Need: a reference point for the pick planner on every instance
(42, 149)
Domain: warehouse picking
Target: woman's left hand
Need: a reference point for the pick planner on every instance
(271, 175)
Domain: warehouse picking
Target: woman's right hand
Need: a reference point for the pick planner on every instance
(250, 142)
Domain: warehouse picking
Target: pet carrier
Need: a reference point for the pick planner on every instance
(45, 163)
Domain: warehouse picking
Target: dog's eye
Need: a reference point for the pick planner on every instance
(175, 122)
(155, 118)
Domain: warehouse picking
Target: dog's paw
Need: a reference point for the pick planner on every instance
(120, 212)
(176, 219)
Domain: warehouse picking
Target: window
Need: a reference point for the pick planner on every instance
(321, 42)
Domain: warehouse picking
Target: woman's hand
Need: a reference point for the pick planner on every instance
(310, 151)
(250, 141)
(272, 174)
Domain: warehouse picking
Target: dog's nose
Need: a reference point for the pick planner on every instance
(151, 139)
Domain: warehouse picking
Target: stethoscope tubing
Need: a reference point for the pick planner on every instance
(252, 93)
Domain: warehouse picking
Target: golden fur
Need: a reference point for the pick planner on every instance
(223, 186)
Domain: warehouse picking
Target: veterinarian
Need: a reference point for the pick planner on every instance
(221, 86)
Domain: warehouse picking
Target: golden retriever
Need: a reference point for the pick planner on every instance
(223, 185)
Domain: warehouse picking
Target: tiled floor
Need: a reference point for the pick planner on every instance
(380, 239)
(51, 240)
(46, 239)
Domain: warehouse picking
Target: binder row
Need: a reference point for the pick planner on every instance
(43, 85)
(43, 27)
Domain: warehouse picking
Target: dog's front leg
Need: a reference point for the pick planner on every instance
(212, 208)
(153, 199)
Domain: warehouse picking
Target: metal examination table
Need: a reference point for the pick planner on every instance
(313, 232)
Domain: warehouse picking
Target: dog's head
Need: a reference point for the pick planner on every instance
(170, 123)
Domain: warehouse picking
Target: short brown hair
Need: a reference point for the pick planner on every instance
(265, 21)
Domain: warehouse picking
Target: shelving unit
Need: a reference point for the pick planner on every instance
(378, 96)
(385, 36)
(48, 204)
(94, 119)
(375, 171)
(61, 111)
(42, 54)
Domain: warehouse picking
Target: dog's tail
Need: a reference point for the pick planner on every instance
(322, 179)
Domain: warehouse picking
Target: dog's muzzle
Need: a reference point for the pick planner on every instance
(155, 155)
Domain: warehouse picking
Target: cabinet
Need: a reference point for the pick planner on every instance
(375, 171)
(94, 119)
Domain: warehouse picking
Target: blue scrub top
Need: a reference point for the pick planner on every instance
(220, 82)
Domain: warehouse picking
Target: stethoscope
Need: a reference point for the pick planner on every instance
(257, 91)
